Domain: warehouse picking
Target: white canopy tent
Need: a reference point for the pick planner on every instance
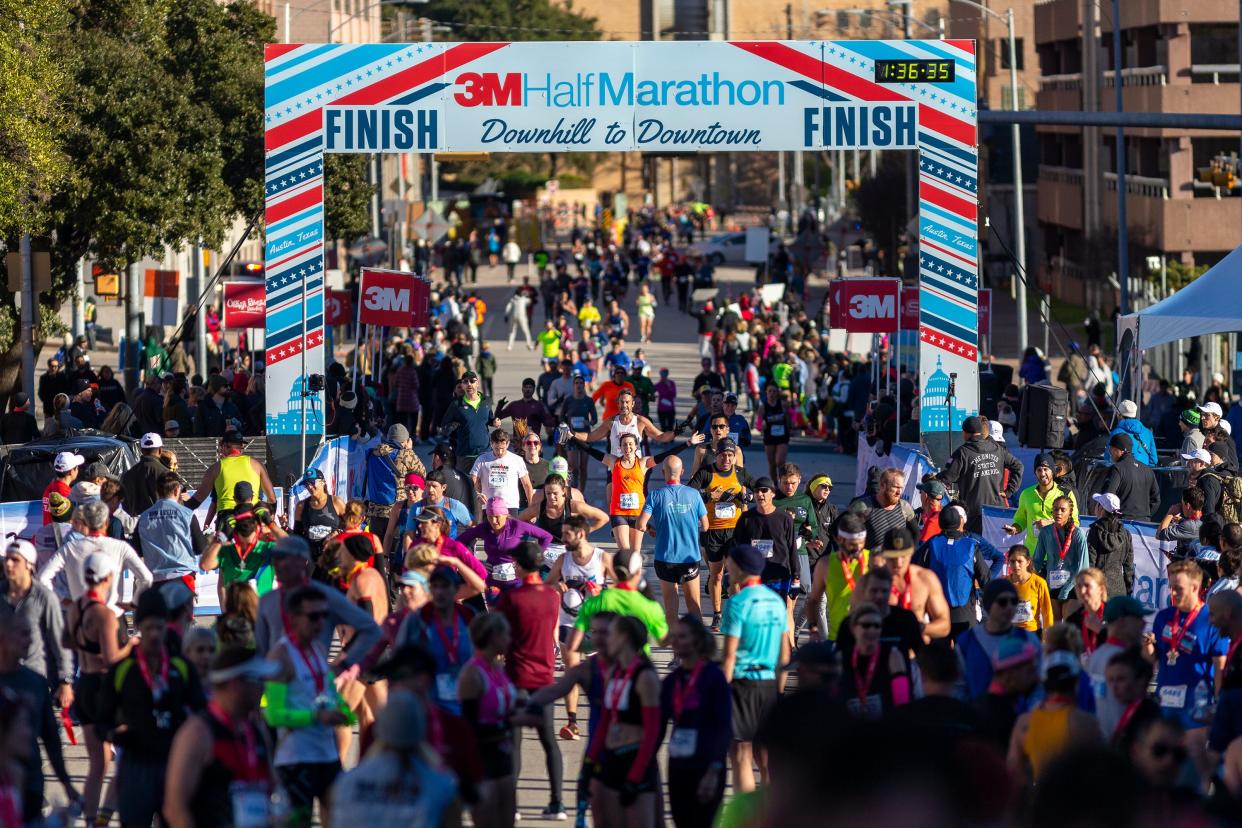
(1210, 304)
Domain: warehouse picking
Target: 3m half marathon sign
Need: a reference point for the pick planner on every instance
(742, 96)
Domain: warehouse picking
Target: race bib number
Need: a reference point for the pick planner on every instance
(683, 742)
(251, 805)
(1173, 696)
(764, 546)
(553, 553)
(504, 572)
(578, 423)
(726, 511)
(446, 686)
(778, 431)
(1024, 613)
(1058, 578)
(496, 476)
(628, 500)
(318, 533)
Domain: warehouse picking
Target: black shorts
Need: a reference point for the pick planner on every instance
(614, 768)
(86, 692)
(140, 787)
(307, 781)
(496, 756)
(676, 573)
(715, 544)
(622, 520)
(752, 699)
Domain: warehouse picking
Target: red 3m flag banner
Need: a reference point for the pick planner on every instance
(864, 305)
(245, 305)
(338, 308)
(386, 297)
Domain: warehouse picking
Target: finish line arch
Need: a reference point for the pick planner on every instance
(739, 96)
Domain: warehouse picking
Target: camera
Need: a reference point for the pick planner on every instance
(314, 383)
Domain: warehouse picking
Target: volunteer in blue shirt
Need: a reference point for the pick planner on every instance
(755, 647)
(1190, 653)
(674, 515)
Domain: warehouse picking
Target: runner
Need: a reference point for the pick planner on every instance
(302, 703)
(580, 574)
(222, 476)
(555, 503)
(1055, 725)
(624, 421)
(957, 560)
(774, 421)
(835, 577)
(724, 487)
(623, 598)
(675, 516)
(610, 391)
(500, 474)
(626, 781)
(1034, 613)
(317, 516)
(914, 587)
(876, 678)
(756, 645)
(431, 527)
(718, 430)
(501, 535)
(899, 626)
(1061, 553)
(367, 589)
(697, 705)
(771, 531)
(980, 648)
(488, 698)
(1087, 612)
(579, 413)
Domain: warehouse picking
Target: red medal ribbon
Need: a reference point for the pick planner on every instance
(1126, 716)
(863, 684)
(533, 579)
(311, 666)
(753, 580)
(613, 699)
(451, 646)
(1177, 633)
(683, 689)
(1091, 640)
(237, 545)
(145, 672)
(904, 597)
(249, 753)
(845, 571)
(1069, 536)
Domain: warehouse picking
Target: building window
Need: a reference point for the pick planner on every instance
(1002, 46)
(1007, 98)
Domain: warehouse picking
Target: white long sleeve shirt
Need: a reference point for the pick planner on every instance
(71, 557)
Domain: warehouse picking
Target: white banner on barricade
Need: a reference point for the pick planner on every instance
(1151, 584)
(905, 456)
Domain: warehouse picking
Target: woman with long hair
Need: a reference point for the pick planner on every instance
(774, 421)
(1087, 612)
(626, 783)
(431, 527)
(366, 588)
(488, 699)
(696, 702)
(1061, 553)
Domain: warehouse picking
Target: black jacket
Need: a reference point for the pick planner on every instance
(18, 427)
(977, 470)
(1111, 549)
(138, 484)
(1135, 486)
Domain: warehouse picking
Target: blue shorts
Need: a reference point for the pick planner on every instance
(780, 587)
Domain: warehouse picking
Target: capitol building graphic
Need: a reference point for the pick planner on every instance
(934, 415)
(290, 420)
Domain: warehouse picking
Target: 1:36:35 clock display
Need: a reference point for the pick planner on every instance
(914, 71)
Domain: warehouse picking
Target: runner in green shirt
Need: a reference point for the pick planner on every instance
(623, 598)
(239, 557)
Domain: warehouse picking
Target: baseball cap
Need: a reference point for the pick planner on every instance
(413, 578)
(764, 483)
(1127, 409)
(933, 488)
(727, 444)
(1199, 454)
(67, 461)
(1124, 606)
(496, 506)
(1211, 408)
(240, 663)
(731, 398)
(1121, 442)
(233, 436)
(559, 465)
(748, 558)
(1108, 502)
(151, 440)
(1061, 661)
(443, 451)
(150, 604)
(97, 469)
(1226, 427)
(626, 565)
(898, 544)
(1191, 417)
(243, 490)
(175, 593)
(291, 545)
(1013, 652)
(973, 425)
(84, 491)
(24, 548)
(311, 475)
(97, 566)
(950, 519)
(20, 399)
(469, 375)
(996, 431)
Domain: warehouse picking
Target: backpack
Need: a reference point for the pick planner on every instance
(1230, 507)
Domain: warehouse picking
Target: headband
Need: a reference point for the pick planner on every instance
(851, 536)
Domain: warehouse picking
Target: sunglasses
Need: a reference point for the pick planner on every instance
(1006, 602)
(1175, 752)
(532, 443)
(868, 625)
(724, 426)
(319, 615)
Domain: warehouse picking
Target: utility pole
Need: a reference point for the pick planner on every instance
(799, 176)
(1123, 236)
(28, 311)
(194, 294)
(1019, 208)
(133, 325)
(79, 298)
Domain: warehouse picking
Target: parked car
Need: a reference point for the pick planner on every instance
(728, 248)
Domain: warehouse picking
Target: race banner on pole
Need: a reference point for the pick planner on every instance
(386, 297)
(864, 305)
(244, 305)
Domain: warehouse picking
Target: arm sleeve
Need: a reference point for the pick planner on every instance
(652, 727)
(278, 713)
(676, 448)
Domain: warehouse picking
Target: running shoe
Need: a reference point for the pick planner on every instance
(554, 811)
(716, 624)
(570, 732)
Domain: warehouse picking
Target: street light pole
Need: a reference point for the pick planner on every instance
(1019, 209)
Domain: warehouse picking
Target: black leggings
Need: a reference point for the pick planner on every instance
(551, 753)
(683, 798)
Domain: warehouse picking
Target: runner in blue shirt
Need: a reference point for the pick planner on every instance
(674, 515)
(755, 647)
(1189, 650)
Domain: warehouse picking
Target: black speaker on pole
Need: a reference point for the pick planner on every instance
(1041, 422)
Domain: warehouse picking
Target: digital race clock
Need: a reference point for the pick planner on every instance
(914, 71)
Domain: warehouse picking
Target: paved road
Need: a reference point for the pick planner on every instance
(674, 348)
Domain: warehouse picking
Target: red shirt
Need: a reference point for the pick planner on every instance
(532, 611)
(58, 486)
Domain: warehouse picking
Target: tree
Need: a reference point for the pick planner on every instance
(881, 205)
(346, 196)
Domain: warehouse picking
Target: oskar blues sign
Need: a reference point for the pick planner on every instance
(645, 96)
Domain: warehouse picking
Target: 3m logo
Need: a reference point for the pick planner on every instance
(384, 299)
(489, 89)
(871, 306)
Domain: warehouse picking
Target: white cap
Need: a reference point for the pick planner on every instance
(172, 425)
(996, 431)
(84, 491)
(1211, 408)
(1199, 454)
(151, 440)
(97, 566)
(1228, 429)
(24, 548)
(1127, 409)
(1218, 377)
(67, 461)
(1110, 502)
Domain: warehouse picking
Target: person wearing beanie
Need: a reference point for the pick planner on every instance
(977, 470)
(1133, 483)
(150, 692)
(978, 646)
(1034, 510)
(1189, 423)
(958, 560)
(19, 426)
(1129, 424)
(756, 647)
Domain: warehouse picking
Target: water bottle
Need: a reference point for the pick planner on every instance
(1202, 710)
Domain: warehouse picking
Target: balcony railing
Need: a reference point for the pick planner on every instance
(1139, 185)
(1211, 72)
(1060, 175)
(1069, 81)
(1139, 76)
(1066, 267)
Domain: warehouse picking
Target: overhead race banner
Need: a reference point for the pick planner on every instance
(244, 304)
(676, 96)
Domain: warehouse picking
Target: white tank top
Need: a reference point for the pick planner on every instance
(316, 743)
(591, 573)
(617, 429)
